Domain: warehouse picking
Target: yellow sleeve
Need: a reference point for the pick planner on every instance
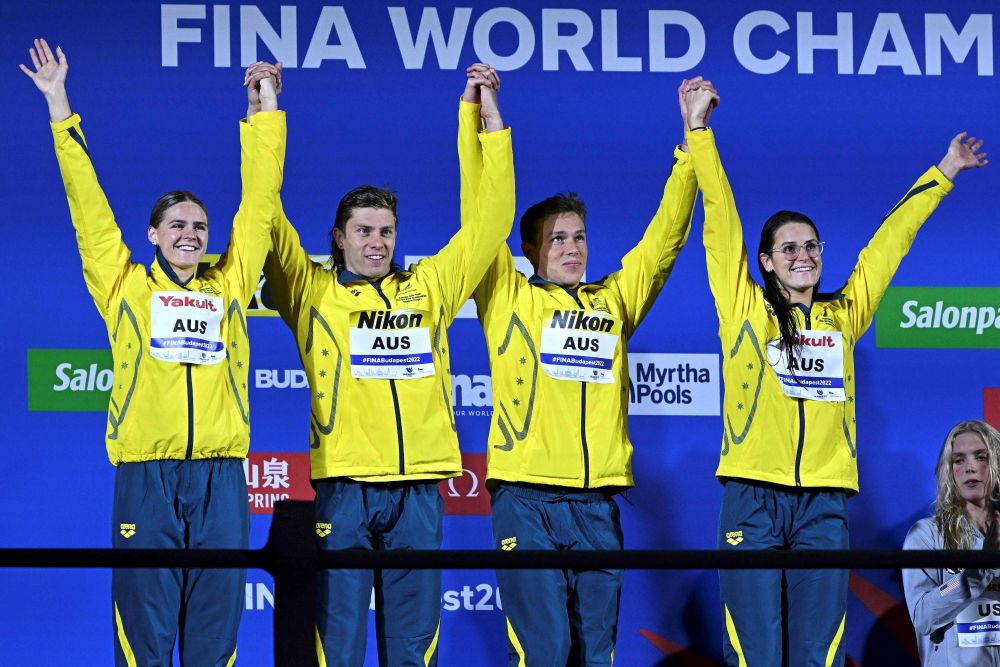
(470, 158)
(497, 283)
(462, 263)
(729, 278)
(881, 257)
(106, 259)
(262, 158)
(648, 265)
(288, 270)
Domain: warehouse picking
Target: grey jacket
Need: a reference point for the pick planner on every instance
(934, 601)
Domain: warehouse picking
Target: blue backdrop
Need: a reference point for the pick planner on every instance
(831, 112)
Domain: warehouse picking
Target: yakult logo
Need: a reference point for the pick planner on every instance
(467, 494)
(187, 302)
(817, 341)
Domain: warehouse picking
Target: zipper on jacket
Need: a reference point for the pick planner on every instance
(395, 397)
(190, 388)
(583, 434)
(583, 411)
(802, 416)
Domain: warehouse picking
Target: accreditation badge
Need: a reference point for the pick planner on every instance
(579, 345)
(186, 328)
(391, 344)
(816, 372)
(979, 623)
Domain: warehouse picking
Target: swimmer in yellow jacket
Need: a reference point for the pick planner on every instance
(178, 421)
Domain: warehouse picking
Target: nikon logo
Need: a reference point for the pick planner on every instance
(574, 319)
(324, 529)
(127, 530)
(69, 380)
(383, 319)
(734, 537)
(939, 317)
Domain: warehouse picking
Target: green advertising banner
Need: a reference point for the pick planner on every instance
(939, 317)
(69, 380)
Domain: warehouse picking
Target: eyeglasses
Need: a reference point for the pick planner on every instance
(791, 250)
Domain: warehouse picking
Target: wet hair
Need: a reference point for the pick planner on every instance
(536, 215)
(170, 199)
(773, 292)
(949, 508)
(364, 196)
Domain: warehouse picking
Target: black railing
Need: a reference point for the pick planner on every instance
(292, 558)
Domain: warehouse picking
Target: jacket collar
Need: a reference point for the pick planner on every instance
(345, 276)
(169, 272)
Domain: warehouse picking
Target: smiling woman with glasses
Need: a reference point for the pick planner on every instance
(788, 458)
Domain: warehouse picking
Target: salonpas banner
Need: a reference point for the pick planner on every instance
(71, 380)
(937, 317)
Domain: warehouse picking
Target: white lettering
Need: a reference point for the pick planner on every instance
(610, 60)
(978, 30)
(333, 18)
(741, 42)
(842, 42)
(475, 391)
(659, 19)
(886, 26)
(220, 35)
(414, 49)
(909, 318)
(281, 44)
(172, 34)
(525, 38)
(572, 44)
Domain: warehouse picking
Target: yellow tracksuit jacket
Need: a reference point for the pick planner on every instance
(768, 436)
(160, 409)
(386, 430)
(553, 431)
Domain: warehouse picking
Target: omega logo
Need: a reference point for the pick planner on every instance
(473, 491)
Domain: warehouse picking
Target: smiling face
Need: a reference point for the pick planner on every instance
(560, 255)
(368, 241)
(799, 274)
(970, 466)
(182, 236)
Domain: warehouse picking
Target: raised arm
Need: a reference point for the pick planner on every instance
(726, 255)
(262, 147)
(648, 265)
(487, 176)
(472, 116)
(104, 255)
(880, 259)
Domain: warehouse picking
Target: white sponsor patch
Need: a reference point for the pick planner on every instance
(979, 623)
(186, 327)
(391, 344)
(579, 345)
(816, 372)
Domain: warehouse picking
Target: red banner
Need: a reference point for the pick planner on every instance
(274, 476)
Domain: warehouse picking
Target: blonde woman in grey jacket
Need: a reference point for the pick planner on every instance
(956, 613)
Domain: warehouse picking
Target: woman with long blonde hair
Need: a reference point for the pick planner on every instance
(956, 613)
